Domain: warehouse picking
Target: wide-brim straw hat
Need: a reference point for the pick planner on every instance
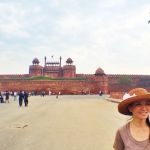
(133, 96)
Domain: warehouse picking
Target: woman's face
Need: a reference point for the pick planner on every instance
(140, 109)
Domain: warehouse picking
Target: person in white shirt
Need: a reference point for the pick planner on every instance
(15, 95)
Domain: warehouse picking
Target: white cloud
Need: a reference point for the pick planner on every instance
(10, 24)
(2, 43)
(110, 3)
(111, 34)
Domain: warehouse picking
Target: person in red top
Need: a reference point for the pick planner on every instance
(134, 135)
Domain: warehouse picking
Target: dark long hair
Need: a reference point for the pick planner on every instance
(148, 121)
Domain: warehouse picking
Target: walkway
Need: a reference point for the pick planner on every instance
(75, 122)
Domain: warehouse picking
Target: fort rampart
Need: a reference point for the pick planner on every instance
(69, 83)
(9, 76)
(66, 87)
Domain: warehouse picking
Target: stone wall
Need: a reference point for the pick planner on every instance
(116, 95)
(65, 86)
(12, 76)
(107, 83)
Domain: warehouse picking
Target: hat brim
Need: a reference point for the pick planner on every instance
(123, 105)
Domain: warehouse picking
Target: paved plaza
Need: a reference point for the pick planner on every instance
(73, 122)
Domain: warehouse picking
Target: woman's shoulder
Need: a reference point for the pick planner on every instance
(124, 127)
(124, 131)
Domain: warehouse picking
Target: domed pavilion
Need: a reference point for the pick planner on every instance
(99, 71)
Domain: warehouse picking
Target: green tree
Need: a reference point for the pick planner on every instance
(124, 80)
(124, 83)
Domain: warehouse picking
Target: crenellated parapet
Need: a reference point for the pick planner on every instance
(85, 75)
(126, 75)
(89, 75)
(66, 67)
(47, 68)
(79, 75)
(9, 76)
(35, 67)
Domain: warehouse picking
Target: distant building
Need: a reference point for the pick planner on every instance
(53, 69)
(64, 78)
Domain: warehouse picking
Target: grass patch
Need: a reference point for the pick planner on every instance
(42, 78)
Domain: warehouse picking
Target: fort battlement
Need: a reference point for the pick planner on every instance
(52, 67)
(89, 75)
(69, 66)
(3, 76)
(127, 75)
(79, 75)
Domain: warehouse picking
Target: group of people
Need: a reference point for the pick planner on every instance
(23, 95)
(4, 97)
(42, 93)
(51, 93)
(83, 93)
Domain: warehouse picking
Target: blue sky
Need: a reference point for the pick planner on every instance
(114, 35)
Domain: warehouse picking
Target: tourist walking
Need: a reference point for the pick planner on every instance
(26, 99)
(4, 96)
(7, 97)
(43, 93)
(135, 135)
(21, 96)
(35, 93)
(15, 95)
(1, 99)
(100, 93)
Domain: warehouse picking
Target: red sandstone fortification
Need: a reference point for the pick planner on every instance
(68, 82)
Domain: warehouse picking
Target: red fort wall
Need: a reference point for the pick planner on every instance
(8, 76)
(66, 87)
(94, 83)
(113, 86)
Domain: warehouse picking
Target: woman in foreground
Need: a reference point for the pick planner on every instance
(134, 135)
